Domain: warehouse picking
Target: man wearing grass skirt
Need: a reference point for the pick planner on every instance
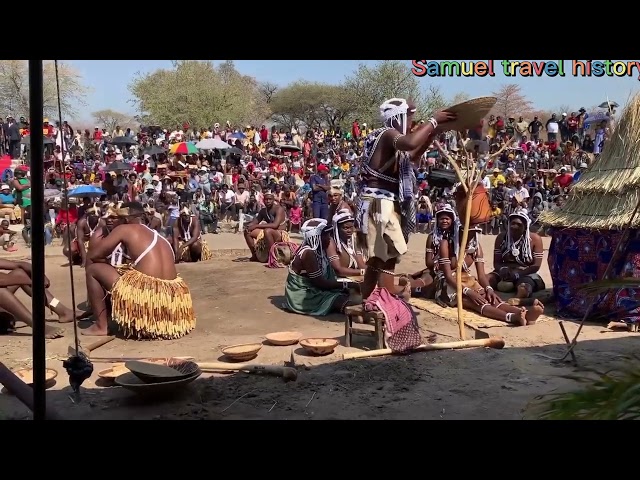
(148, 300)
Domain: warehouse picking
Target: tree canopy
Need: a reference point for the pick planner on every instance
(14, 88)
(200, 94)
(110, 119)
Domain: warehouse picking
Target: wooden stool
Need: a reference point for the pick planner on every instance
(356, 314)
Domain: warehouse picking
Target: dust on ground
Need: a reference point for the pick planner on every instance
(239, 303)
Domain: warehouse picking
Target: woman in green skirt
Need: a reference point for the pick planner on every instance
(311, 287)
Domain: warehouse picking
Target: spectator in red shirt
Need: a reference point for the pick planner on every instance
(355, 129)
(564, 179)
(97, 134)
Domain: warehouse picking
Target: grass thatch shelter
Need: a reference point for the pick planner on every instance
(588, 228)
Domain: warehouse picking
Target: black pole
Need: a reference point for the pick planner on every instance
(37, 239)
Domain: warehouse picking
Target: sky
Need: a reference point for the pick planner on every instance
(109, 80)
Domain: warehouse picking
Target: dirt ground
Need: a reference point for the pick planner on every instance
(238, 303)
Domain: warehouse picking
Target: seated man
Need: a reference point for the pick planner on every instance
(517, 258)
(311, 287)
(188, 244)
(267, 228)
(478, 295)
(149, 300)
(19, 277)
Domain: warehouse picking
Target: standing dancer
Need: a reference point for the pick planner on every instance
(386, 211)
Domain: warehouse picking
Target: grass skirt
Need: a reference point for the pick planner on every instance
(261, 245)
(207, 254)
(146, 307)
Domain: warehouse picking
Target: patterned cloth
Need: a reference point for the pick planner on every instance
(578, 257)
(407, 181)
(401, 333)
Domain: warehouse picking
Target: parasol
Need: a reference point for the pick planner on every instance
(183, 148)
(86, 191)
(212, 144)
(153, 150)
(123, 141)
(239, 135)
(117, 166)
(609, 105)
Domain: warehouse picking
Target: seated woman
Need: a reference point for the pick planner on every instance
(517, 258)
(478, 294)
(311, 287)
(447, 225)
(346, 260)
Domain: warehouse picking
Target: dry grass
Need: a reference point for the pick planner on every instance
(608, 192)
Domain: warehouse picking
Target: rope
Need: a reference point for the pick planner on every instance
(273, 253)
(65, 191)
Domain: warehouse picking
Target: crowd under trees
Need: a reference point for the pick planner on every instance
(201, 93)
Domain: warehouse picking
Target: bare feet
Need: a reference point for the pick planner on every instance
(523, 291)
(253, 258)
(520, 319)
(534, 312)
(95, 331)
(53, 332)
(67, 317)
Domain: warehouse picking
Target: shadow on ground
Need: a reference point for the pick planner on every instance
(463, 384)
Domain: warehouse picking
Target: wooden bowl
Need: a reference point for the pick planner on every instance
(26, 375)
(242, 352)
(163, 370)
(282, 339)
(113, 372)
(319, 346)
(135, 384)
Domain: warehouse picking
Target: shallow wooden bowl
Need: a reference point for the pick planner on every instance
(319, 346)
(282, 339)
(162, 370)
(26, 375)
(113, 372)
(137, 385)
(242, 352)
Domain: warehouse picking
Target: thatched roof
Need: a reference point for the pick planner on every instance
(608, 192)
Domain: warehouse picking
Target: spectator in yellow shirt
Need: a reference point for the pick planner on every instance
(496, 219)
(497, 177)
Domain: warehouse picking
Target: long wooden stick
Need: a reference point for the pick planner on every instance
(491, 342)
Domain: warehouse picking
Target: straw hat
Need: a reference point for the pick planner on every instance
(470, 112)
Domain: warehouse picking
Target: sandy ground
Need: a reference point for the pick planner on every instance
(238, 303)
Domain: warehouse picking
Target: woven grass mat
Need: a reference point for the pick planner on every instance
(471, 319)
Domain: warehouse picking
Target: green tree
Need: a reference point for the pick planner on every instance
(310, 104)
(200, 94)
(14, 88)
(368, 87)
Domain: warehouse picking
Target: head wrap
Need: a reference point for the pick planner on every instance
(439, 234)
(312, 231)
(342, 216)
(94, 210)
(523, 244)
(389, 111)
(185, 211)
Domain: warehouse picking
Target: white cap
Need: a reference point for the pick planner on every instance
(155, 178)
(5, 187)
(564, 114)
(583, 165)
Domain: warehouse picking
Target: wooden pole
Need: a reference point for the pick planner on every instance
(461, 258)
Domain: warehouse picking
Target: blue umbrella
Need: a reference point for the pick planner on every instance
(239, 135)
(86, 191)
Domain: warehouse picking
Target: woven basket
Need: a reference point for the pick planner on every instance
(470, 112)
